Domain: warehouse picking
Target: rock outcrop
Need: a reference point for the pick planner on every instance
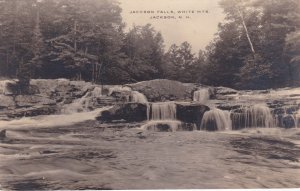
(127, 112)
(164, 90)
(191, 113)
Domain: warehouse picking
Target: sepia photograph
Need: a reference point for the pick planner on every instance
(149, 94)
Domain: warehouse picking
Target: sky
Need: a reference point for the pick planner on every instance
(199, 29)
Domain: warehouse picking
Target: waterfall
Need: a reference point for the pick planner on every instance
(3, 86)
(97, 91)
(162, 111)
(79, 105)
(258, 115)
(201, 96)
(83, 103)
(216, 119)
(138, 97)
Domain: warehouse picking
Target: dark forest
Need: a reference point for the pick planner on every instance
(256, 47)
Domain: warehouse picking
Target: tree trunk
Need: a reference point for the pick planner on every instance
(246, 30)
(75, 31)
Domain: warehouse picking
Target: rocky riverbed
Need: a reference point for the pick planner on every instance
(158, 134)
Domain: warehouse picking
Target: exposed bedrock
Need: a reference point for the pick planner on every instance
(165, 90)
(191, 113)
(127, 112)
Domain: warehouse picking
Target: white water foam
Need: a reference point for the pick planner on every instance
(201, 96)
(216, 119)
(163, 111)
(51, 120)
(138, 97)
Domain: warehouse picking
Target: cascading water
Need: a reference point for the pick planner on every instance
(118, 89)
(162, 117)
(3, 86)
(258, 115)
(163, 111)
(201, 96)
(97, 91)
(78, 105)
(138, 97)
(83, 103)
(51, 120)
(216, 119)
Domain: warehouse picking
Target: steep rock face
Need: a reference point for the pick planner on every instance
(191, 113)
(164, 90)
(129, 112)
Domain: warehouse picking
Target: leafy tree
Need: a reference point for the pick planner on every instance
(250, 48)
(143, 47)
(89, 39)
(181, 63)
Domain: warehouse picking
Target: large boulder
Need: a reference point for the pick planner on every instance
(191, 112)
(288, 121)
(128, 112)
(164, 90)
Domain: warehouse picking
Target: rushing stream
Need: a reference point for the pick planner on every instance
(71, 150)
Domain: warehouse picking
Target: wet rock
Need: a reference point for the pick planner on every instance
(191, 113)
(229, 106)
(2, 134)
(121, 96)
(225, 91)
(129, 112)
(288, 121)
(32, 100)
(163, 90)
(32, 111)
(168, 126)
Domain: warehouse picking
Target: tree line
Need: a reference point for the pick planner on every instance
(257, 46)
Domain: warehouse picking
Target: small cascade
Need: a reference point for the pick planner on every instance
(258, 115)
(47, 121)
(118, 89)
(83, 103)
(3, 87)
(138, 97)
(216, 119)
(78, 105)
(162, 111)
(201, 96)
(97, 91)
